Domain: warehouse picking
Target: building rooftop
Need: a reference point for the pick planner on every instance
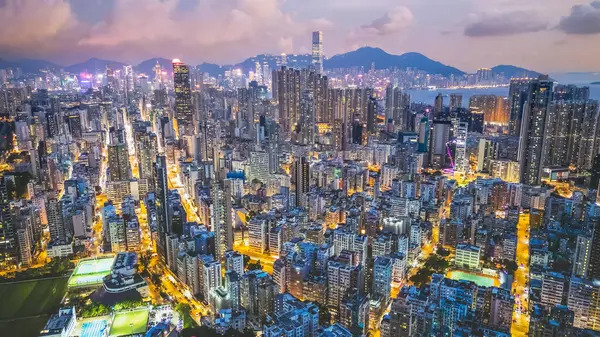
(59, 322)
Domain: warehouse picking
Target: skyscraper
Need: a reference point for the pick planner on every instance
(7, 242)
(438, 148)
(118, 163)
(461, 160)
(317, 51)
(129, 83)
(372, 114)
(162, 197)
(306, 125)
(571, 131)
(146, 150)
(438, 108)
(455, 102)
(56, 225)
(593, 266)
(382, 278)
(286, 90)
(517, 96)
(301, 178)
(183, 95)
(221, 217)
(533, 125)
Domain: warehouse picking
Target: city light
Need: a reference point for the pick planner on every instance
(331, 193)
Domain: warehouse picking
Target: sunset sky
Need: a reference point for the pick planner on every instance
(545, 35)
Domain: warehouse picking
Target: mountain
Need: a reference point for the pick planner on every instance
(249, 64)
(367, 56)
(34, 66)
(29, 66)
(147, 67)
(512, 71)
(93, 65)
(364, 57)
(214, 69)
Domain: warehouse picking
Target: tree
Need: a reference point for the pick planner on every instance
(254, 266)
(421, 277)
(511, 266)
(156, 280)
(441, 251)
(184, 311)
(324, 316)
(94, 310)
(247, 261)
(144, 261)
(437, 264)
(561, 266)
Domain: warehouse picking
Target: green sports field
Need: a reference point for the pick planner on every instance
(129, 322)
(26, 306)
(89, 273)
(31, 298)
(24, 327)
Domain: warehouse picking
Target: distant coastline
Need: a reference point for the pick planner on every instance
(428, 96)
(595, 83)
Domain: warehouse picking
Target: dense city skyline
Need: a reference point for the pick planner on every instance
(492, 31)
(374, 193)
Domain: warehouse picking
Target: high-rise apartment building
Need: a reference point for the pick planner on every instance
(382, 278)
(533, 130)
(146, 150)
(461, 160)
(342, 277)
(119, 168)
(286, 90)
(301, 178)
(438, 107)
(7, 242)
(221, 217)
(455, 102)
(517, 95)
(56, 225)
(162, 198)
(571, 131)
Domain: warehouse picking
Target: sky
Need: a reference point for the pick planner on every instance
(542, 35)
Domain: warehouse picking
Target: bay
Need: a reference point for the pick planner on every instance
(428, 96)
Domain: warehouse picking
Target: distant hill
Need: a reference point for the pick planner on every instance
(214, 69)
(29, 66)
(147, 67)
(364, 57)
(367, 56)
(512, 71)
(94, 65)
(249, 64)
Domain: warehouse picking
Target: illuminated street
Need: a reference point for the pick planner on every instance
(272, 168)
(266, 260)
(520, 325)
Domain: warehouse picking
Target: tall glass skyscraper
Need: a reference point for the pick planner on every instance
(317, 51)
(183, 95)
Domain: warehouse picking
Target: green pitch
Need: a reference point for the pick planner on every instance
(126, 323)
(90, 272)
(31, 298)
